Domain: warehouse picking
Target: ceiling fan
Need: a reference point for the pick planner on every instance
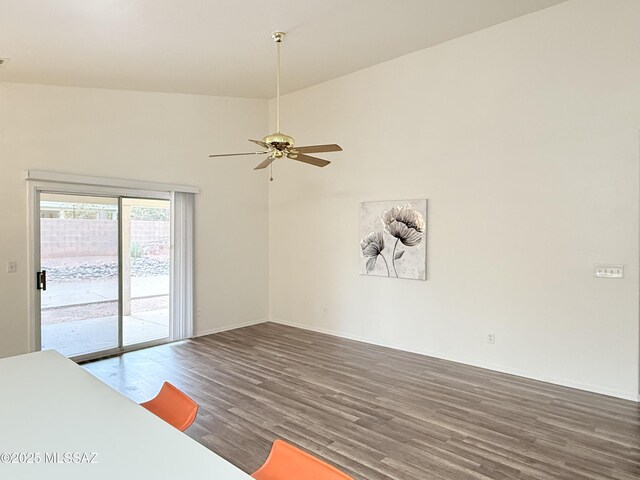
(278, 145)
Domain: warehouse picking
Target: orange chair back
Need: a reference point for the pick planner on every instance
(287, 462)
(173, 406)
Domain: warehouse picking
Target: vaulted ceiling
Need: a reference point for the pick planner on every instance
(223, 47)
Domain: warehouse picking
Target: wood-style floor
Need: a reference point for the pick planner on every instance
(379, 413)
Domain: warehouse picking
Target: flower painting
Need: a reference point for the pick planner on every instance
(393, 239)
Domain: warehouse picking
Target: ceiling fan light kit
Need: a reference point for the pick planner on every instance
(278, 145)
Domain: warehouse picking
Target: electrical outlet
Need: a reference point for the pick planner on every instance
(609, 271)
(491, 338)
(12, 267)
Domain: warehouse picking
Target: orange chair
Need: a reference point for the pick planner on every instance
(173, 406)
(287, 462)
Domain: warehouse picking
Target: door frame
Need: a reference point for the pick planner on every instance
(34, 260)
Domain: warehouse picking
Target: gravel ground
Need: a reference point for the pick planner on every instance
(103, 268)
(96, 310)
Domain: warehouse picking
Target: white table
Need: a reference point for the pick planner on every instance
(49, 405)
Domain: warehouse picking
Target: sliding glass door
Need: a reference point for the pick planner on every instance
(104, 273)
(146, 262)
(79, 273)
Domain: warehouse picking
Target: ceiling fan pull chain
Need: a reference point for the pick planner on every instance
(271, 172)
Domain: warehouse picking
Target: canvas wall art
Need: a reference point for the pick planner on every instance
(393, 239)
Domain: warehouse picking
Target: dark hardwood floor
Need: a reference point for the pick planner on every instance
(379, 413)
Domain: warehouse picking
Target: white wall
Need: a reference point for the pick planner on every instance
(524, 138)
(143, 136)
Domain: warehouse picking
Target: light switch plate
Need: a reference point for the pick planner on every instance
(609, 271)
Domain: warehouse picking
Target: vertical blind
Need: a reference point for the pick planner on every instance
(182, 213)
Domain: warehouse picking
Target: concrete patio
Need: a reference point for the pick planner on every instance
(96, 334)
(66, 306)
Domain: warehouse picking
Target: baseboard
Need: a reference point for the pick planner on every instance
(202, 333)
(635, 397)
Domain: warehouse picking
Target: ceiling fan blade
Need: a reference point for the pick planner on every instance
(318, 162)
(265, 163)
(236, 154)
(319, 148)
(261, 143)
